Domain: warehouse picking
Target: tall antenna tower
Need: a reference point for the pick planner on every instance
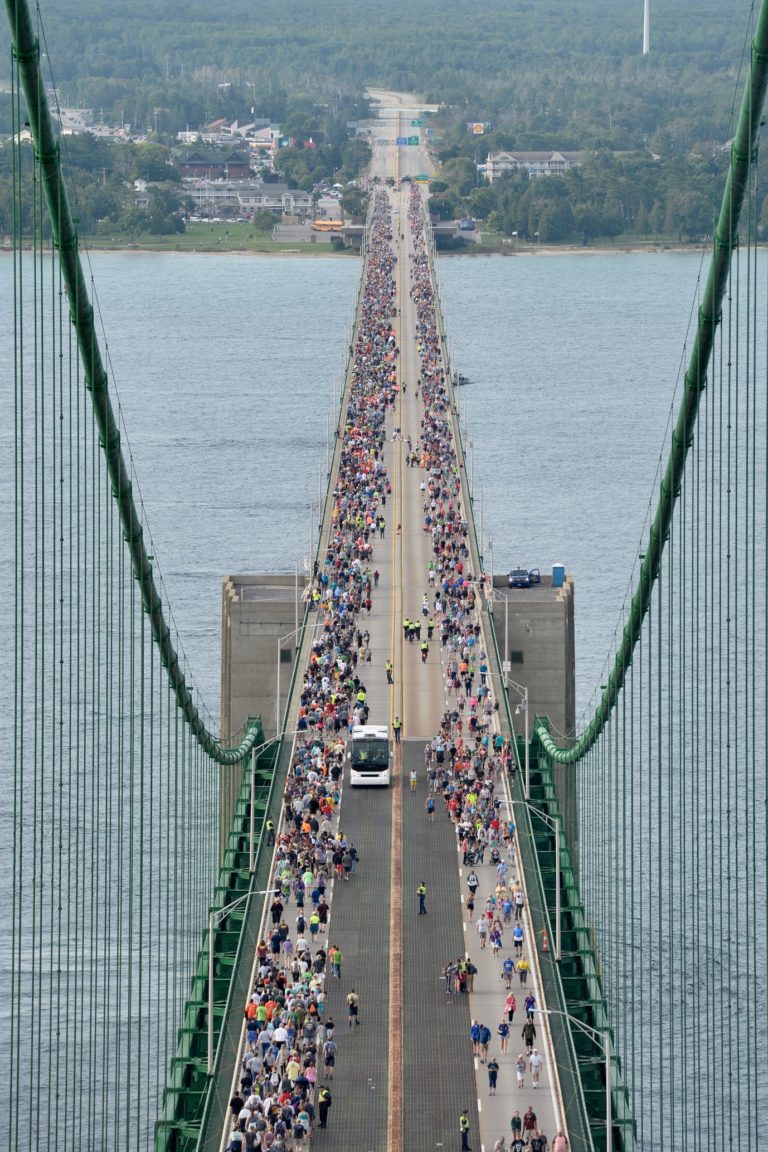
(646, 28)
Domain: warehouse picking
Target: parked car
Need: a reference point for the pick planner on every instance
(524, 577)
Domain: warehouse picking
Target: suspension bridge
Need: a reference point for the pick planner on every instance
(641, 840)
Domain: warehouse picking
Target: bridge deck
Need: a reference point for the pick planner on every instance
(404, 1075)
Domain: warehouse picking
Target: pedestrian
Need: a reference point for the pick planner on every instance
(530, 1005)
(430, 807)
(464, 1130)
(508, 971)
(474, 1035)
(522, 970)
(388, 669)
(376, 578)
(470, 905)
(336, 960)
(493, 1072)
(520, 1069)
(329, 1058)
(353, 1008)
(482, 930)
(473, 883)
(517, 1126)
(518, 937)
(485, 1039)
(396, 727)
(500, 1145)
(530, 1123)
(503, 1031)
(412, 777)
(421, 892)
(529, 1035)
(560, 1142)
(536, 1062)
(324, 1102)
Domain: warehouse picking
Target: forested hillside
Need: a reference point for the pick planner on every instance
(543, 73)
(555, 67)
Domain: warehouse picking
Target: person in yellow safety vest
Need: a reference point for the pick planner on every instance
(464, 1130)
(396, 727)
(270, 833)
(424, 651)
(406, 628)
(324, 1102)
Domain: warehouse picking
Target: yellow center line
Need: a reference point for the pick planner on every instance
(395, 1132)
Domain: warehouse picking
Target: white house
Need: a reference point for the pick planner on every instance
(534, 163)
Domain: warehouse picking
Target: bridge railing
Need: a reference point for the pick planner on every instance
(540, 897)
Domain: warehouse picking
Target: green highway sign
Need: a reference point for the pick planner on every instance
(417, 123)
(413, 140)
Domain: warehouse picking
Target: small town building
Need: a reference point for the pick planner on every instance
(534, 163)
(220, 165)
(246, 198)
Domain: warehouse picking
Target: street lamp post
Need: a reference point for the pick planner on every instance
(215, 917)
(603, 1040)
(522, 691)
(494, 596)
(255, 753)
(554, 824)
(280, 640)
(523, 707)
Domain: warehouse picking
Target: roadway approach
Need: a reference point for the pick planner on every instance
(404, 1076)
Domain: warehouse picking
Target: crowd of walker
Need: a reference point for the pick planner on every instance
(289, 1048)
(466, 761)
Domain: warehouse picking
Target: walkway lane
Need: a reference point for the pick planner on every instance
(437, 1067)
(438, 1071)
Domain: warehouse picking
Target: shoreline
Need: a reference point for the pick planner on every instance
(324, 253)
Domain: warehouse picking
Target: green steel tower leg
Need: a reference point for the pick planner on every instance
(743, 151)
(26, 51)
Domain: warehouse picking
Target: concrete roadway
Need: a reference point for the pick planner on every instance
(403, 1077)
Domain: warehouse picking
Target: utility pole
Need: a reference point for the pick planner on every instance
(646, 27)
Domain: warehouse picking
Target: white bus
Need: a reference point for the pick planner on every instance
(370, 755)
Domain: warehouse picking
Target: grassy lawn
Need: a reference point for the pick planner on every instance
(226, 236)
